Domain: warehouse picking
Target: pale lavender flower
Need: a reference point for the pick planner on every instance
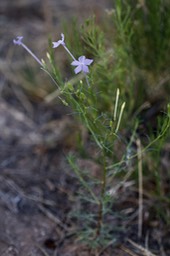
(59, 42)
(18, 41)
(82, 65)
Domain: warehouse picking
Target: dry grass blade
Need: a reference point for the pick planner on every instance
(16, 188)
(125, 249)
(143, 250)
(42, 250)
(140, 178)
(52, 217)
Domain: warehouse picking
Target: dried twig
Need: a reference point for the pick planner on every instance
(42, 250)
(140, 178)
(125, 249)
(145, 251)
(16, 188)
(52, 217)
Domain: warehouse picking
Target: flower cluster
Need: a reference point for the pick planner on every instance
(81, 64)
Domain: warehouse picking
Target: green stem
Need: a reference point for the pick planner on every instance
(102, 195)
(85, 119)
(83, 182)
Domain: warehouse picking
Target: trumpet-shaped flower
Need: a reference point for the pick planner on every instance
(59, 42)
(18, 41)
(82, 65)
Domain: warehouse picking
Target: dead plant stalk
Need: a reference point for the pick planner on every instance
(140, 182)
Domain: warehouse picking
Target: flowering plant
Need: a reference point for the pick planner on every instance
(82, 63)
(80, 99)
(95, 100)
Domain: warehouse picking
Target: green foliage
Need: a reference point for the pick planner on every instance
(150, 40)
(139, 41)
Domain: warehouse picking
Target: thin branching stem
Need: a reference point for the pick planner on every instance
(160, 136)
(140, 181)
(116, 104)
(101, 205)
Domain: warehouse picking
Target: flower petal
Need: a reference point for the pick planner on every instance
(56, 44)
(82, 59)
(62, 37)
(18, 41)
(85, 69)
(78, 69)
(88, 61)
(75, 63)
